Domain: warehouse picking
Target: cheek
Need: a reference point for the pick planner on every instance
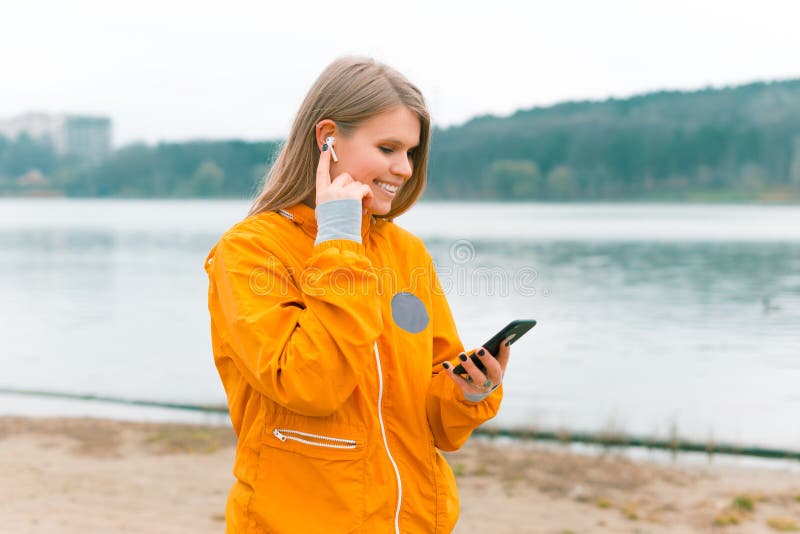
(367, 169)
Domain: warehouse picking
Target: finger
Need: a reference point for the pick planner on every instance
(493, 369)
(365, 201)
(366, 192)
(324, 169)
(460, 381)
(478, 377)
(348, 187)
(503, 354)
(342, 180)
(359, 190)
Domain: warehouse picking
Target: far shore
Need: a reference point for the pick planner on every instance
(690, 198)
(92, 475)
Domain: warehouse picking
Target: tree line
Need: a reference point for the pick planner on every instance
(715, 144)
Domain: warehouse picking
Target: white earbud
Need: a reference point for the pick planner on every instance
(329, 141)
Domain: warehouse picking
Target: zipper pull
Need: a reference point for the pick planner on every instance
(277, 434)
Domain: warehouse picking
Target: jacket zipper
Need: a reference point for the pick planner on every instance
(386, 443)
(321, 441)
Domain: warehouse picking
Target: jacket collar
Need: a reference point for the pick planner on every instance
(304, 216)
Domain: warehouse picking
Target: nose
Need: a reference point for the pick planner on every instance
(402, 167)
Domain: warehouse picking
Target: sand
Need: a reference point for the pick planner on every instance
(89, 475)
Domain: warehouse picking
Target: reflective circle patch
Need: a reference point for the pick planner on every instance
(409, 312)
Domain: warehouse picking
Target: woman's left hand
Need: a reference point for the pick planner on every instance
(478, 382)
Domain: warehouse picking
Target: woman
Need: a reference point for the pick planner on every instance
(331, 332)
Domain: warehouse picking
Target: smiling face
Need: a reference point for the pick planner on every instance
(379, 153)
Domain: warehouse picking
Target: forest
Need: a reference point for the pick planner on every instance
(737, 143)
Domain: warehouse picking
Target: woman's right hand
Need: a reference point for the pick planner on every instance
(342, 187)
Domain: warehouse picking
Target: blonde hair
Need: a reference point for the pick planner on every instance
(349, 91)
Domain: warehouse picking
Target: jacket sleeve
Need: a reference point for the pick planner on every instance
(301, 339)
(451, 417)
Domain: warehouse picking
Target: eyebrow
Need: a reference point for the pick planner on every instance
(397, 142)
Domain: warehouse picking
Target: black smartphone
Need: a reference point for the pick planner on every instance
(514, 330)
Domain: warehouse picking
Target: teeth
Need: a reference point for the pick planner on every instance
(387, 187)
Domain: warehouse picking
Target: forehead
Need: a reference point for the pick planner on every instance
(398, 123)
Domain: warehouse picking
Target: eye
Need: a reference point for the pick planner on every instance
(389, 150)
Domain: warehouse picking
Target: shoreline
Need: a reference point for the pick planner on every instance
(84, 474)
(57, 404)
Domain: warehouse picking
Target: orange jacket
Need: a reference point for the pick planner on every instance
(331, 356)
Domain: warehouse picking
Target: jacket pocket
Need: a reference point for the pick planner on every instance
(311, 476)
(314, 440)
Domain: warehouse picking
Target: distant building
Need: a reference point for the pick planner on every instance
(85, 137)
(88, 138)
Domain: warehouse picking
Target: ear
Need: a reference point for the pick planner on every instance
(325, 128)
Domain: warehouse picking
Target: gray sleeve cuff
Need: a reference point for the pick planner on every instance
(339, 219)
(477, 397)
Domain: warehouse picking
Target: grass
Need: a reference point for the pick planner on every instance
(612, 435)
(178, 438)
(783, 524)
(482, 471)
(631, 511)
(458, 469)
(603, 502)
(740, 509)
(744, 503)
(728, 517)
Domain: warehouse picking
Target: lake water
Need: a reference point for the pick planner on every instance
(652, 318)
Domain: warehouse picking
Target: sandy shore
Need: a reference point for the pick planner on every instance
(89, 475)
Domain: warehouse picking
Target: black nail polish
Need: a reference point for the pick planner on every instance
(325, 147)
(446, 365)
(481, 352)
(462, 357)
(508, 343)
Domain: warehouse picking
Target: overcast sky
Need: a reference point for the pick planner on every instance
(176, 70)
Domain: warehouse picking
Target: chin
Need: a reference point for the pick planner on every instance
(379, 208)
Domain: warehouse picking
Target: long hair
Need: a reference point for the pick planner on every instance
(349, 91)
